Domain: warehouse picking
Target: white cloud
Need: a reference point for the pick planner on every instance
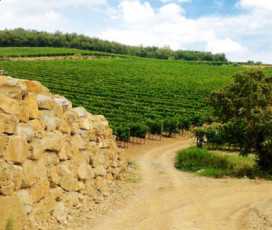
(135, 12)
(167, 25)
(256, 4)
(134, 22)
(226, 46)
(180, 1)
(42, 14)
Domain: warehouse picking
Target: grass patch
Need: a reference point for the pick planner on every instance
(201, 162)
(10, 224)
(133, 178)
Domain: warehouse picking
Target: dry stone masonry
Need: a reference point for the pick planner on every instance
(52, 156)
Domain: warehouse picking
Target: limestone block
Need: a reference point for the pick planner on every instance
(109, 177)
(88, 135)
(9, 105)
(78, 142)
(71, 116)
(99, 183)
(90, 188)
(12, 88)
(32, 172)
(25, 131)
(81, 169)
(40, 189)
(62, 101)
(52, 158)
(80, 111)
(66, 179)
(32, 103)
(50, 120)
(36, 149)
(98, 159)
(53, 174)
(3, 143)
(53, 141)
(38, 127)
(62, 126)
(85, 124)
(8, 123)
(10, 178)
(100, 171)
(24, 196)
(55, 193)
(74, 128)
(17, 150)
(23, 111)
(45, 102)
(60, 212)
(34, 86)
(65, 152)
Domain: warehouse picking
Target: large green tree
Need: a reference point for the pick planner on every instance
(247, 105)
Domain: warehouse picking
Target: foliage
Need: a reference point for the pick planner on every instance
(32, 38)
(10, 224)
(246, 105)
(128, 90)
(204, 163)
(170, 125)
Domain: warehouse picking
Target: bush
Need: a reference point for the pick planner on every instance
(204, 163)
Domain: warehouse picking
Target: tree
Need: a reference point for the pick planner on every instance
(247, 105)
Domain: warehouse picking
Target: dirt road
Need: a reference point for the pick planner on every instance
(167, 199)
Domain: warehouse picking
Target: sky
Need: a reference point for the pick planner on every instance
(242, 29)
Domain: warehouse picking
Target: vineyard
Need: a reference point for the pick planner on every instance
(135, 94)
(9, 52)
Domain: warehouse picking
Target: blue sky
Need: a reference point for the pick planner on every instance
(239, 28)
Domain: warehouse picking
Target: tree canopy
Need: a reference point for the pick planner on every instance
(32, 38)
(246, 104)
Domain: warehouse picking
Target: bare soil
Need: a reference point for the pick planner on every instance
(167, 199)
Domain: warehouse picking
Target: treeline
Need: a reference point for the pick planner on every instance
(32, 38)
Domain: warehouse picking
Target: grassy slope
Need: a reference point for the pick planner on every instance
(128, 88)
(124, 89)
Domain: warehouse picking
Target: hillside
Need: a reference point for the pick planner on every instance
(127, 89)
(32, 38)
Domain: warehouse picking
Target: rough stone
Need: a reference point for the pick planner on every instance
(40, 189)
(24, 196)
(50, 121)
(10, 178)
(53, 141)
(38, 127)
(23, 111)
(17, 150)
(9, 105)
(32, 103)
(90, 188)
(25, 131)
(63, 126)
(3, 143)
(60, 212)
(36, 149)
(32, 172)
(35, 87)
(8, 123)
(12, 88)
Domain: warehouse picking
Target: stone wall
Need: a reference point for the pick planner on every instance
(52, 156)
